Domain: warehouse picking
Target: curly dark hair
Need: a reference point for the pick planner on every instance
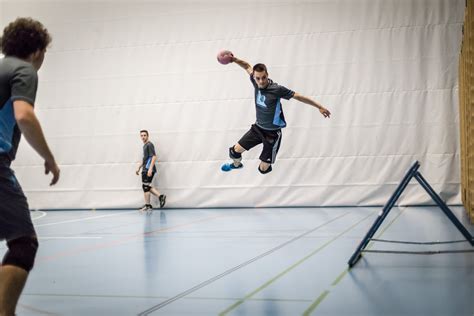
(23, 37)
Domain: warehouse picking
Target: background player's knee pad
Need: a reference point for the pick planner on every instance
(234, 155)
(266, 171)
(146, 187)
(21, 252)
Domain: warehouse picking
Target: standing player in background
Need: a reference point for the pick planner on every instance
(148, 171)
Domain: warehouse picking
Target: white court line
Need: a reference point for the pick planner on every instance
(83, 219)
(42, 215)
(33, 219)
(71, 221)
(71, 237)
(59, 237)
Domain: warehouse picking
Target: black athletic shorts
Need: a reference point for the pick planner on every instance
(145, 178)
(15, 218)
(271, 140)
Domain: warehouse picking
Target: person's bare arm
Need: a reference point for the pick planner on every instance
(242, 63)
(325, 112)
(140, 165)
(31, 129)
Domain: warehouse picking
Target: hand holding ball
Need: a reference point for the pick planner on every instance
(224, 57)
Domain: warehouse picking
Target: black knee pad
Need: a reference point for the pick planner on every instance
(233, 154)
(21, 253)
(266, 171)
(146, 187)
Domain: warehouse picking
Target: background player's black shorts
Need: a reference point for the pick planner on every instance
(145, 178)
(15, 218)
(271, 140)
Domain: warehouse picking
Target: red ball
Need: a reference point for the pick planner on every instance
(225, 57)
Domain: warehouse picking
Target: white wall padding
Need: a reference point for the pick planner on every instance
(387, 70)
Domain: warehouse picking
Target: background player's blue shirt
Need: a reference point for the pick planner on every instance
(148, 153)
(268, 105)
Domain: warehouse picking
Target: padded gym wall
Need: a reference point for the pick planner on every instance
(386, 69)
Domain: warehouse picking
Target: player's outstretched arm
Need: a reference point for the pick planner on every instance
(325, 112)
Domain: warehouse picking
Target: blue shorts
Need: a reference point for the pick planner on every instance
(15, 218)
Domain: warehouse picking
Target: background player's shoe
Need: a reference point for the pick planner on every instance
(145, 208)
(149, 209)
(162, 199)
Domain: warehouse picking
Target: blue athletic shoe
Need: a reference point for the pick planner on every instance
(229, 166)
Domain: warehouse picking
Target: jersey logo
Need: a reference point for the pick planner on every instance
(261, 100)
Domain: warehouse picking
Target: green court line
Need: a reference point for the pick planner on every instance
(340, 277)
(316, 303)
(343, 274)
(323, 295)
(297, 263)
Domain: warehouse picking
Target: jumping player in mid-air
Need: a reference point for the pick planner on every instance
(270, 118)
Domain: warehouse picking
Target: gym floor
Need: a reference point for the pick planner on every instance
(279, 261)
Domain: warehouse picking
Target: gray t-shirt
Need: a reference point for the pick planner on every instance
(148, 153)
(18, 81)
(268, 106)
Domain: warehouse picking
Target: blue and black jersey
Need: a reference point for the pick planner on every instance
(148, 153)
(18, 81)
(268, 105)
